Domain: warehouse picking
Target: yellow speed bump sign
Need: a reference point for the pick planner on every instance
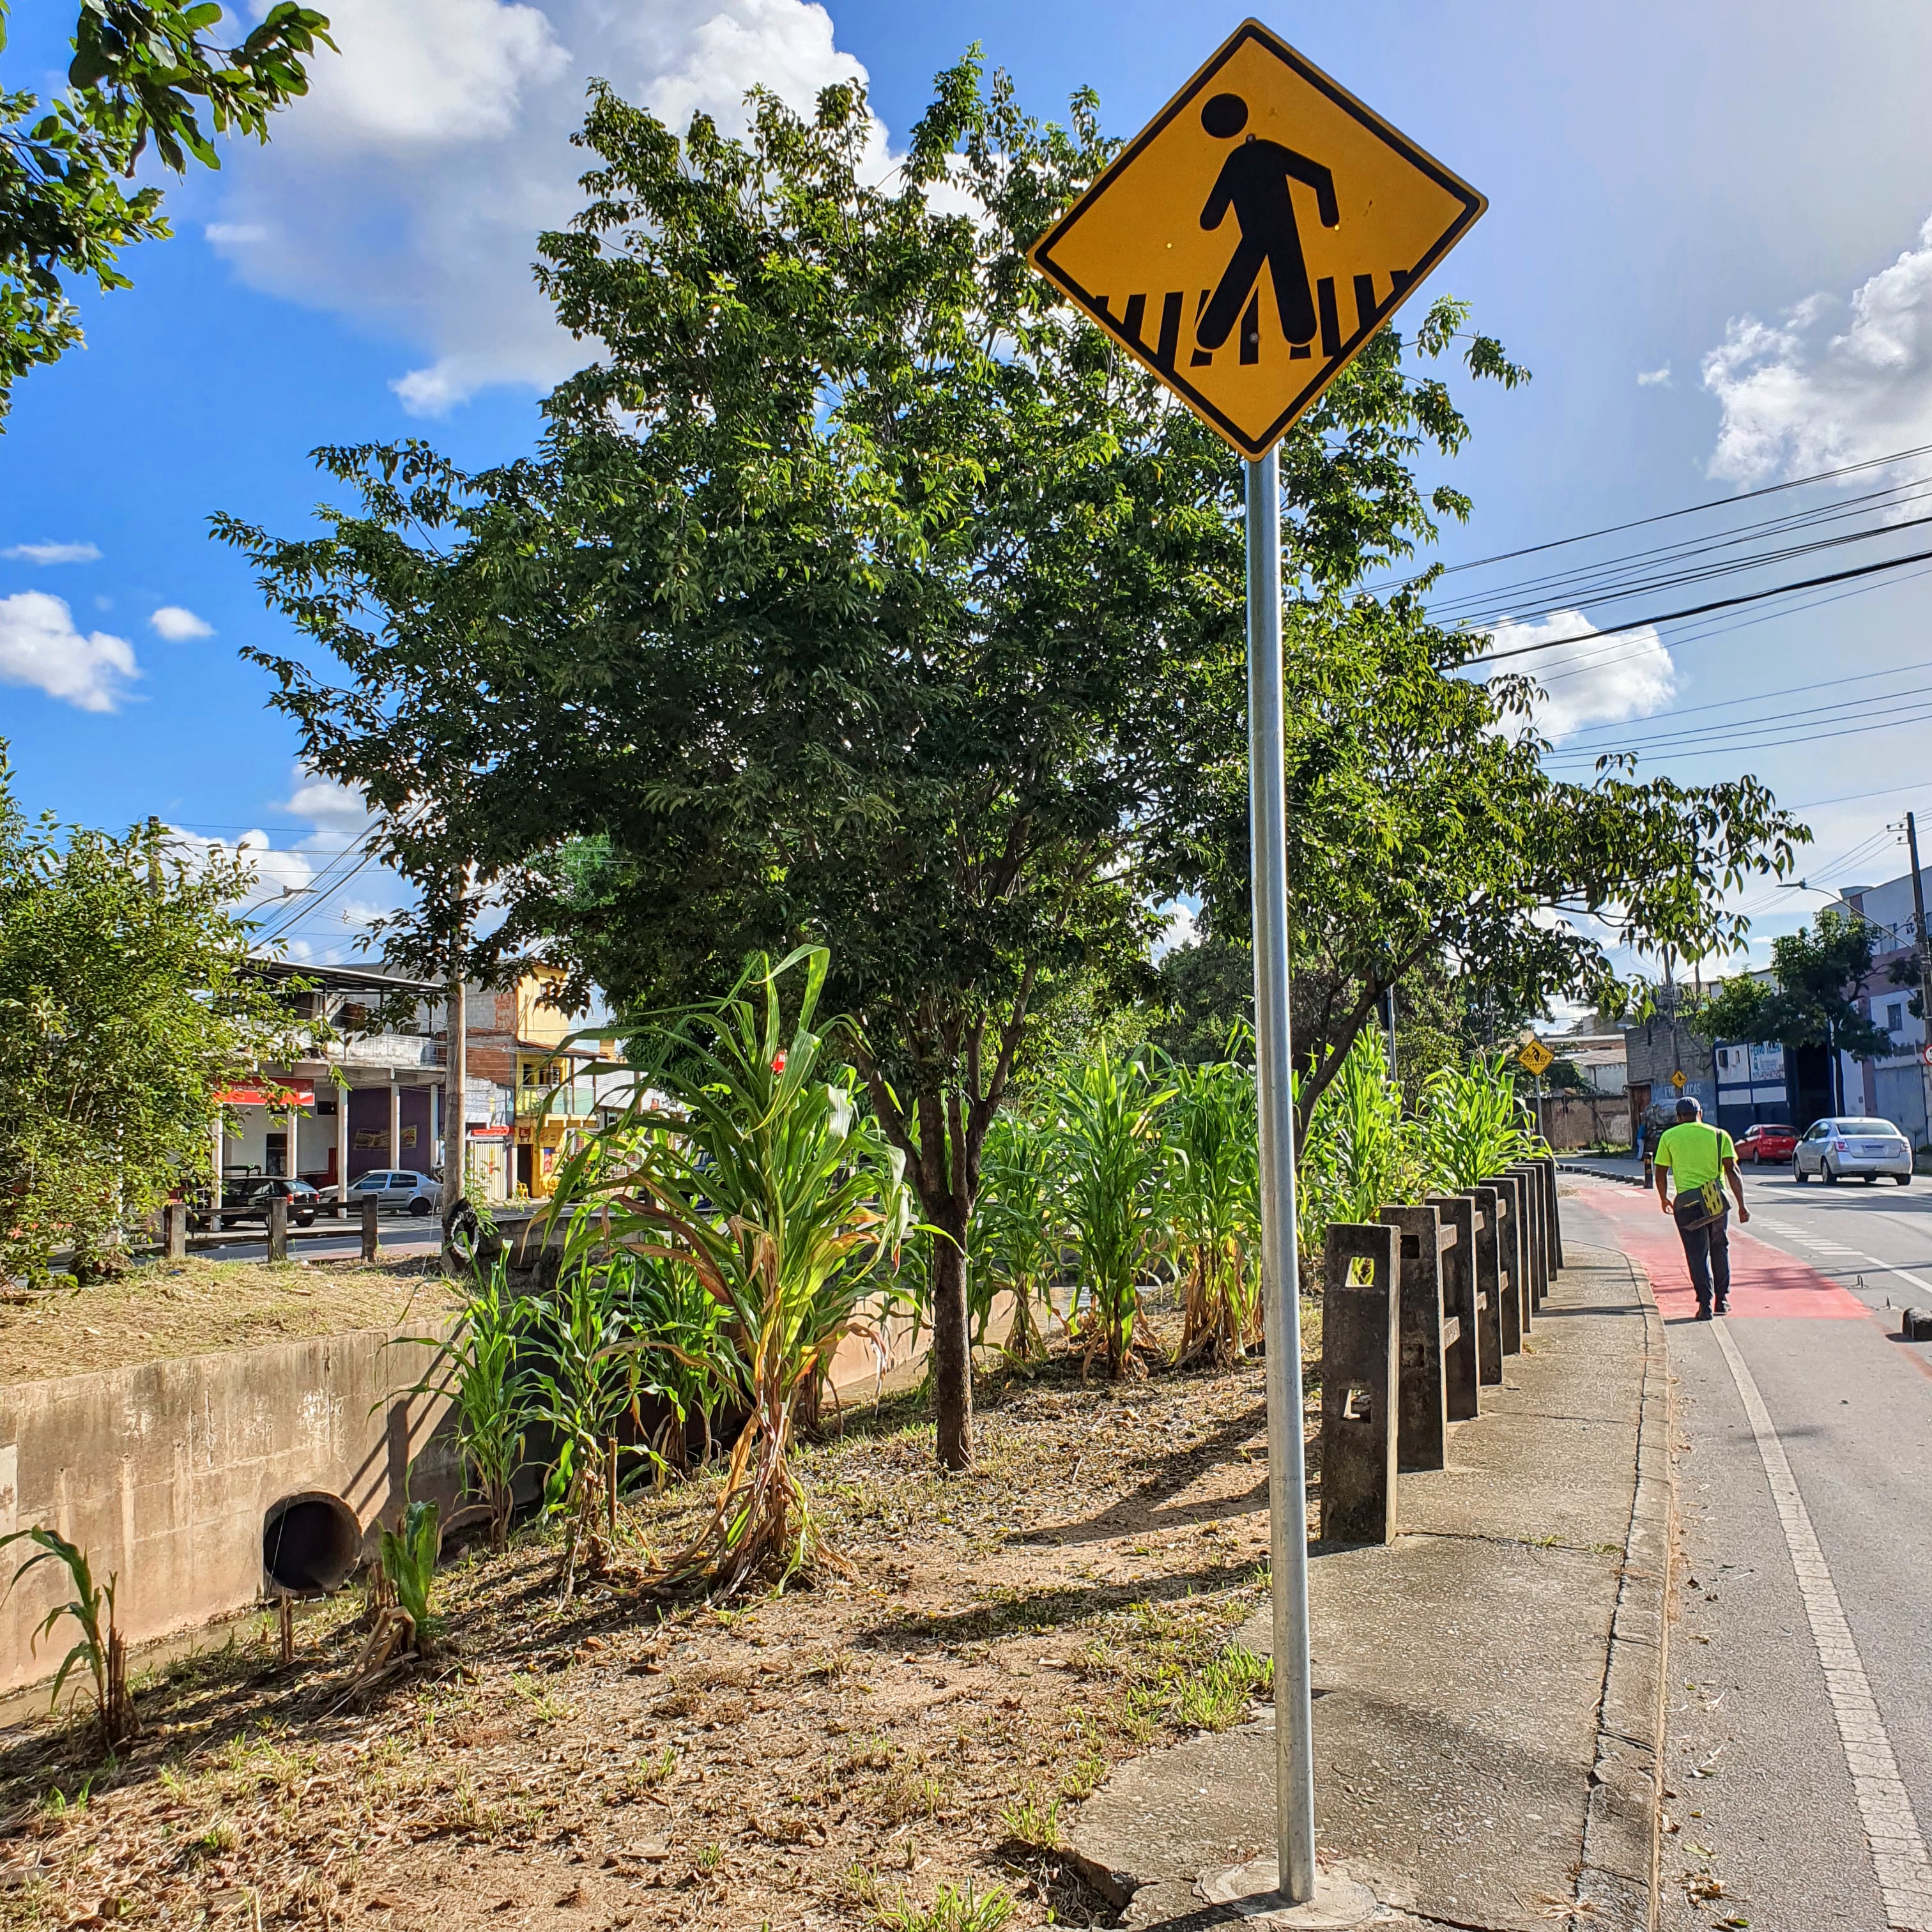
(1536, 1056)
(1255, 235)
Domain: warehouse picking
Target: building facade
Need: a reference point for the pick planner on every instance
(376, 1095)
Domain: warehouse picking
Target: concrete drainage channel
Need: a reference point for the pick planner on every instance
(201, 1483)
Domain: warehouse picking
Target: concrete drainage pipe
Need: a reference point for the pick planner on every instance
(311, 1541)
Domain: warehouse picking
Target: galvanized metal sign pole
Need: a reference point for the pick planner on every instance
(1150, 253)
(1288, 1484)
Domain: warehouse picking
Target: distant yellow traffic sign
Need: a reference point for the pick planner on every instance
(1535, 1056)
(1677, 1080)
(1255, 235)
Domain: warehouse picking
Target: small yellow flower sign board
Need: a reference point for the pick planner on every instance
(1254, 234)
(1535, 1056)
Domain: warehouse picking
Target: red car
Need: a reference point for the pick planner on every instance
(1764, 1142)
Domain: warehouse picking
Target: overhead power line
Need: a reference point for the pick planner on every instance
(1667, 516)
(1699, 610)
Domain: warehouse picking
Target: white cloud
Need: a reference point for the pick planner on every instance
(54, 553)
(1802, 395)
(337, 813)
(1594, 681)
(407, 190)
(1654, 379)
(178, 624)
(39, 647)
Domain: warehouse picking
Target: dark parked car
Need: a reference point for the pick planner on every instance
(303, 1202)
(1765, 1142)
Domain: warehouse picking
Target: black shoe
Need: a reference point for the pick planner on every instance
(1703, 1311)
(1724, 1305)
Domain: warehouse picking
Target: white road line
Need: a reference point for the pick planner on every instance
(1898, 1854)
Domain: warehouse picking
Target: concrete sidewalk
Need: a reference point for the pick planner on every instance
(1489, 1688)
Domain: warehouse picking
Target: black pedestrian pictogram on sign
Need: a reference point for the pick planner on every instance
(1254, 182)
(1248, 242)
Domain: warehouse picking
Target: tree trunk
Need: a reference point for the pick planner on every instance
(952, 1344)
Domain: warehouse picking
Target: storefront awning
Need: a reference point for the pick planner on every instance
(280, 1094)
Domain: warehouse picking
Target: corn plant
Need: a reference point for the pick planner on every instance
(763, 1177)
(1472, 1124)
(480, 1364)
(1214, 1188)
(1016, 1227)
(100, 1646)
(584, 1379)
(687, 1358)
(409, 1559)
(1107, 1139)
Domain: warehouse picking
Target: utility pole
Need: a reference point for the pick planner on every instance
(1294, 1744)
(1925, 968)
(153, 856)
(455, 1087)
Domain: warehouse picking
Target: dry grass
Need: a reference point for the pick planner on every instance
(201, 1306)
(898, 1748)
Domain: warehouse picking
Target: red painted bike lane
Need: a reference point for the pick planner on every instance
(1764, 1280)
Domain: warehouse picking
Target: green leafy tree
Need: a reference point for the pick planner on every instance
(1811, 999)
(860, 592)
(126, 1003)
(144, 73)
(1425, 835)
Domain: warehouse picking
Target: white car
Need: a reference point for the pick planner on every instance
(400, 1188)
(1838, 1148)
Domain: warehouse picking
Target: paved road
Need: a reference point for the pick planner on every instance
(1801, 1720)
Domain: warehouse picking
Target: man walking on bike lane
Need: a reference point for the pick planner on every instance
(1701, 1159)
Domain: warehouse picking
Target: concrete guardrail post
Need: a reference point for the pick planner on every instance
(278, 1229)
(1422, 1424)
(1361, 1329)
(372, 1239)
(1536, 1230)
(1548, 1163)
(1523, 1213)
(174, 1230)
(1488, 1257)
(1546, 1267)
(1462, 1303)
(1509, 1252)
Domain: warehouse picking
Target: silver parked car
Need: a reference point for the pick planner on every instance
(401, 1188)
(1838, 1148)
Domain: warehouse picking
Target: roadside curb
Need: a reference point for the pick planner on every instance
(1597, 1173)
(1617, 1882)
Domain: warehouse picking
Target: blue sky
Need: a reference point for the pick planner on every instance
(1700, 191)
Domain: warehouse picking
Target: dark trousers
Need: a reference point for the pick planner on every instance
(1707, 1252)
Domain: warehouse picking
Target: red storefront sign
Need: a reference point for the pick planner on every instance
(489, 1133)
(279, 1094)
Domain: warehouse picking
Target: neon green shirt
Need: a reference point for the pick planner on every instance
(1693, 1153)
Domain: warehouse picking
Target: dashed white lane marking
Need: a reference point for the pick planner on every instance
(1898, 1854)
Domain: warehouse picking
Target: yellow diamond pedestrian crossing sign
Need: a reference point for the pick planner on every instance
(1255, 235)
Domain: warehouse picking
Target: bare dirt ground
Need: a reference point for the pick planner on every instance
(848, 1754)
(201, 1306)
